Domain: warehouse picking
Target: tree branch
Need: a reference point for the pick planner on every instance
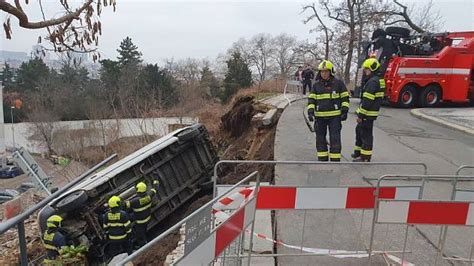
(335, 17)
(404, 14)
(394, 22)
(23, 18)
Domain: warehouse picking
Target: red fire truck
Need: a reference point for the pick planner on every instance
(425, 69)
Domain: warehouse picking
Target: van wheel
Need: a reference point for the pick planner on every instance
(72, 201)
(430, 96)
(407, 97)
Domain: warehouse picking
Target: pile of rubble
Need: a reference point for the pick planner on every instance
(178, 252)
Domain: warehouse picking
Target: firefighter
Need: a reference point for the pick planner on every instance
(141, 206)
(117, 226)
(328, 104)
(371, 99)
(53, 239)
(308, 76)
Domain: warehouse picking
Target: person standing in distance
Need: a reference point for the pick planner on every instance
(308, 76)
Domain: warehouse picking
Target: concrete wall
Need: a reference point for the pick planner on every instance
(91, 132)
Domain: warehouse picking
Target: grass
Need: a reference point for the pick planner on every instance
(263, 95)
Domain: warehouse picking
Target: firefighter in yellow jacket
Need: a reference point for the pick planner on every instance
(141, 206)
(328, 104)
(370, 102)
(53, 238)
(117, 226)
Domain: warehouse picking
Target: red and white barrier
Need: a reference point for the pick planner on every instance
(227, 232)
(239, 197)
(306, 198)
(234, 200)
(426, 212)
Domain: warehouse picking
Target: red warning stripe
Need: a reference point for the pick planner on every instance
(276, 198)
(229, 230)
(364, 198)
(447, 213)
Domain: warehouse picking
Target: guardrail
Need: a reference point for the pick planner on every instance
(19, 219)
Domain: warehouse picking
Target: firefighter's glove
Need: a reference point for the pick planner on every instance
(311, 115)
(344, 116)
(156, 183)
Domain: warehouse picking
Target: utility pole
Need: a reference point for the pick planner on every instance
(2, 132)
(13, 128)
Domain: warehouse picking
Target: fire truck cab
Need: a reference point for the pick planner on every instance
(430, 68)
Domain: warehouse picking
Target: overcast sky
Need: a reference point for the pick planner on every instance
(203, 29)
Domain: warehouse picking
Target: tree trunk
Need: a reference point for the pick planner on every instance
(326, 54)
(350, 51)
(359, 48)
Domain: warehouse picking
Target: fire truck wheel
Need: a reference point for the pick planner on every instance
(430, 96)
(407, 97)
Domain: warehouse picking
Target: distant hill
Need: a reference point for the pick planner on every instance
(9, 55)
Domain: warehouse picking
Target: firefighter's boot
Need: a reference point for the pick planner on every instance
(361, 160)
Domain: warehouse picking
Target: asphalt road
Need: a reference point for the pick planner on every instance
(399, 137)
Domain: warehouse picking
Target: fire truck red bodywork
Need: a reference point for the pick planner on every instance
(449, 73)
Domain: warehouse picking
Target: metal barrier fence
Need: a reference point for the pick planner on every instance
(18, 220)
(296, 83)
(403, 211)
(210, 234)
(464, 167)
(262, 190)
(284, 162)
(370, 197)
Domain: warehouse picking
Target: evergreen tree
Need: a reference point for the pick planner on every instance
(128, 53)
(162, 84)
(31, 74)
(209, 82)
(7, 77)
(238, 76)
(74, 76)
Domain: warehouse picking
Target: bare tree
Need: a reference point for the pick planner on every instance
(260, 55)
(420, 19)
(107, 130)
(307, 52)
(244, 48)
(327, 32)
(72, 27)
(256, 52)
(188, 71)
(284, 52)
(43, 121)
(345, 14)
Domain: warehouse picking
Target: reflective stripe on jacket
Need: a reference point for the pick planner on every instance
(117, 224)
(372, 97)
(328, 98)
(53, 241)
(141, 205)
